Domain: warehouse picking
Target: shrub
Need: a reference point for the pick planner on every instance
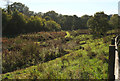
(29, 53)
(91, 54)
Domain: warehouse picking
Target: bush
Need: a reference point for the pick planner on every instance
(28, 55)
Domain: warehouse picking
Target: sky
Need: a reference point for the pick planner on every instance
(70, 7)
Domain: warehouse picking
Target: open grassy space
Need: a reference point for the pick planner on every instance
(56, 55)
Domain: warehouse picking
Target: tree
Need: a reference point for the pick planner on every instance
(47, 18)
(84, 20)
(98, 24)
(76, 22)
(68, 23)
(9, 10)
(52, 26)
(20, 8)
(5, 20)
(53, 15)
(114, 22)
(61, 21)
(16, 24)
(35, 24)
(40, 14)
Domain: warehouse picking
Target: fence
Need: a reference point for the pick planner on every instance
(113, 65)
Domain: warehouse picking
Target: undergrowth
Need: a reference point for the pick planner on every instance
(69, 56)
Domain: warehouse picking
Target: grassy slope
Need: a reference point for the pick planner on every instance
(87, 60)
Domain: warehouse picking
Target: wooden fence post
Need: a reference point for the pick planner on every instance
(111, 63)
(113, 41)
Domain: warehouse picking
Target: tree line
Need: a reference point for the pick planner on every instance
(17, 19)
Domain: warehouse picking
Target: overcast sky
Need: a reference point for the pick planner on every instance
(70, 7)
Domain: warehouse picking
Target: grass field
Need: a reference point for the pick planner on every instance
(56, 55)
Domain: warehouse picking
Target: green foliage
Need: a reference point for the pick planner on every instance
(5, 20)
(16, 24)
(47, 18)
(90, 62)
(29, 55)
(55, 55)
(52, 14)
(98, 24)
(19, 7)
(52, 26)
(68, 24)
(114, 24)
(20, 53)
(84, 19)
(114, 21)
(18, 19)
(35, 24)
